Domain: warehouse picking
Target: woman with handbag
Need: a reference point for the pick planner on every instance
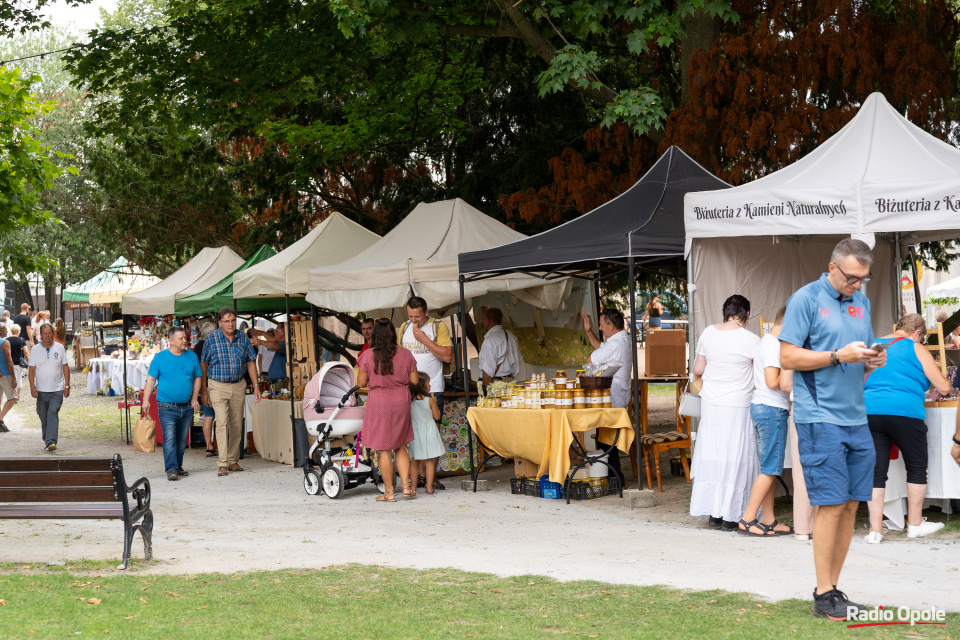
(725, 461)
(894, 396)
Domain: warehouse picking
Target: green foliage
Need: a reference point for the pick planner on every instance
(23, 17)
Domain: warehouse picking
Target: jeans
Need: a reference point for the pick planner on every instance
(770, 423)
(175, 422)
(48, 408)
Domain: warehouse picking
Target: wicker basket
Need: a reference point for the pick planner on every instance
(595, 382)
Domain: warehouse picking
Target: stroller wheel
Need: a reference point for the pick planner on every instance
(333, 482)
(311, 482)
(378, 480)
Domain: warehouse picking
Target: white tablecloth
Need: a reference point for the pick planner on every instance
(103, 368)
(943, 474)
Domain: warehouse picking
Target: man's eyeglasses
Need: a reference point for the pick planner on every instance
(853, 279)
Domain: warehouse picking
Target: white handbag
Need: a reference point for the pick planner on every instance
(690, 403)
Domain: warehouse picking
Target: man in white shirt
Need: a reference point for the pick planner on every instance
(499, 353)
(7, 321)
(615, 350)
(49, 377)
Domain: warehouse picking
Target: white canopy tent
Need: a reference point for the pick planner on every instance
(206, 268)
(124, 281)
(420, 256)
(948, 289)
(332, 241)
(880, 174)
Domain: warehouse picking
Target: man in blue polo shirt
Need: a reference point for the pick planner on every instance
(825, 338)
(176, 375)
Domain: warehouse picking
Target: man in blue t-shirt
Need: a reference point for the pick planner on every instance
(176, 375)
(825, 338)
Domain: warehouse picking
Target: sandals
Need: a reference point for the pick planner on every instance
(753, 523)
(772, 527)
(408, 492)
(211, 453)
(387, 497)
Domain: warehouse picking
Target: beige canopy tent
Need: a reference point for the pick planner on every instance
(205, 269)
(125, 279)
(420, 257)
(332, 241)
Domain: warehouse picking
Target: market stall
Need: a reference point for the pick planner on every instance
(643, 228)
(205, 269)
(419, 257)
(110, 373)
(220, 294)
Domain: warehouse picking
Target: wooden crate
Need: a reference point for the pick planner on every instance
(666, 353)
(303, 372)
(301, 344)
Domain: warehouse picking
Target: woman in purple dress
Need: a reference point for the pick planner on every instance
(386, 369)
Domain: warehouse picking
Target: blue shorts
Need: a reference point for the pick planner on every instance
(837, 462)
(206, 411)
(770, 423)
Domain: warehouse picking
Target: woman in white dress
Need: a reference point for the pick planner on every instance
(725, 462)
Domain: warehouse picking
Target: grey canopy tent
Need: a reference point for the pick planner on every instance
(641, 228)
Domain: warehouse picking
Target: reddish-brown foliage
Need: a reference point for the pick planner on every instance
(794, 72)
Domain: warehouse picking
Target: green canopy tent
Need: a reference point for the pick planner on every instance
(79, 295)
(220, 295)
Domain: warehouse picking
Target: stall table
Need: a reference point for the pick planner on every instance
(544, 435)
(103, 368)
(943, 474)
(272, 431)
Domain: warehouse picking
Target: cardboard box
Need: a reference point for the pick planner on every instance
(523, 468)
(666, 353)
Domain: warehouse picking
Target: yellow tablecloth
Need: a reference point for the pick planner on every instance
(545, 435)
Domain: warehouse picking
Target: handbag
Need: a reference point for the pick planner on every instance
(145, 435)
(689, 403)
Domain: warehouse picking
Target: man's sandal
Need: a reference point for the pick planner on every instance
(772, 528)
(753, 523)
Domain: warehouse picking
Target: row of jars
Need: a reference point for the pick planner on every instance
(558, 399)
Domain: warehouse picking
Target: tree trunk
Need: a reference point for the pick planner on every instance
(702, 32)
(22, 294)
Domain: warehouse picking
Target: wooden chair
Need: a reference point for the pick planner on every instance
(654, 444)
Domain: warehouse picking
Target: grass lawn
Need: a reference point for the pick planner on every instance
(376, 602)
(81, 417)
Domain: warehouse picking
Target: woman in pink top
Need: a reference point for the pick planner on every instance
(386, 369)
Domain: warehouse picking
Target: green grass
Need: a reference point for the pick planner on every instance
(657, 390)
(97, 418)
(377, 602)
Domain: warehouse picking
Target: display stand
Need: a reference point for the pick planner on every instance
(939, 348)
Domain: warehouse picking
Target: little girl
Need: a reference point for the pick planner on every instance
(427, 446)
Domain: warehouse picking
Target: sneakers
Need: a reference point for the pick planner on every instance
(172, 476)
(802, 537)
(843, 596)
(182, 472)
(923, 529)
(832, 605)
(874, 537)
(4, 428)
(51, 447)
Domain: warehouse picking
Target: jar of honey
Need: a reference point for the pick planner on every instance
(579, 399)
(594, 398)
(607, 399)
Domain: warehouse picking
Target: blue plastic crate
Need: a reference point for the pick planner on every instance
(551, 490)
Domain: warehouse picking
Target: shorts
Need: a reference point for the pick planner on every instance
(206, 410)
(770, 423)
(837, 462)
(8, 388)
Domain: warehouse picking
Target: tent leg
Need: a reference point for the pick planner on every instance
(474, 471)
(916, 285)
(126, 410)
(691, 333)
(635, 377)
(897, 288)
(315, 323)
(286, 348)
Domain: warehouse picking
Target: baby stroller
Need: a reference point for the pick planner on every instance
(330, 410)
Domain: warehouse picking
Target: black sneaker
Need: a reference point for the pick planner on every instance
(727, 525)
(714, 523)
(182, 472)
(438, 485)
(172, 476)
(847, 602)
(830, 605)
(4, 428)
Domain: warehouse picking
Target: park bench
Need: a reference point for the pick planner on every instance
(77, 488)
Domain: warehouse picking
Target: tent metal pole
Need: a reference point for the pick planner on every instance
(243, 432)
(635, 376)
(474, 473)
(897, 287)
(126, 409)
(691, 333)
(286, 348)
(916, 285)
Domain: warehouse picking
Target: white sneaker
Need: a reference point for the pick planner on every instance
(874, 537)
(802, 537)
(923, 529)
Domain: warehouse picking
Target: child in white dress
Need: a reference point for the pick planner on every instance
(427, 445)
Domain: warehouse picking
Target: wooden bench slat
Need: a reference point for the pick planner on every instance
(59, 494)
(55, 464)
(57, 511)
(21, 479)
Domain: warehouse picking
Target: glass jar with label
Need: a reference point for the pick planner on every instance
(607, 399)
(579, 399)
(594, 399)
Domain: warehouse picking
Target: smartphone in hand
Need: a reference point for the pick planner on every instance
(879, 346)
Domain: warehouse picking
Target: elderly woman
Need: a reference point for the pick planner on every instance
(387, 369)
(725, 462)
(894, 396)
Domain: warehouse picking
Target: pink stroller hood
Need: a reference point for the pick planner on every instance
(328, 386)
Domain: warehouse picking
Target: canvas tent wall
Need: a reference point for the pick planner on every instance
(286, 274)
(221, 295)
(880, 174)
(420, 256)
(208, 267)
